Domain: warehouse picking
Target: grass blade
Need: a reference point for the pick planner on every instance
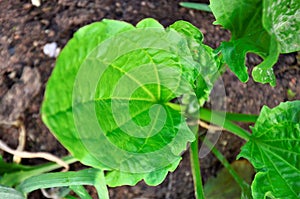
(59, 179)
(196, 6)
(7, 192)
(80, 191)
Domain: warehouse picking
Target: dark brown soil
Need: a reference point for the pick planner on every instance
(24, 70)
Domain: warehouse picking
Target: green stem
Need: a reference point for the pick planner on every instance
(195, 166)
(100, 185)
(243, 184)
(217, 119)
(174, 106)
(223, 119)
(237, 117)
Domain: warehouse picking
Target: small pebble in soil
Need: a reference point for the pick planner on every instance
(51, 49)
(36, 3)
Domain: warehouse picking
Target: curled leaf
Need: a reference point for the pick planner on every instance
(266, 28)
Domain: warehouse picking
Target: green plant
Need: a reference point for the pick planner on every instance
(196, 6)
(127, 100)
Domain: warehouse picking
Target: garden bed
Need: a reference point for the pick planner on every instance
(25, 69)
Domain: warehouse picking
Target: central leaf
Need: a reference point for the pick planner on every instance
(110, 99)
(125, 106)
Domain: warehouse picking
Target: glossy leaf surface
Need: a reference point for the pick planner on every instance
(108, 99)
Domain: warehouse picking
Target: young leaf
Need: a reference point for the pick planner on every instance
(273, 150)
(108, 98)
(209, 65)
(244, 20)
(265, 28)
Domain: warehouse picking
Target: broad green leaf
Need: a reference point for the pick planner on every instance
(108, 98)
(57, 105)
(244, 20)
(282, 20)
(7, 192)
(273, 150)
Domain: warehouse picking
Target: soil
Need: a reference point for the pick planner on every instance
(24, 70)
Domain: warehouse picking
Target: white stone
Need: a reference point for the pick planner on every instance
(51, 49)
(36, 3)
